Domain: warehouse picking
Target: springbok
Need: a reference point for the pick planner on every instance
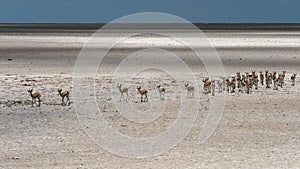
(34, 97)
(247, 75)
(248, 86)
(161, 91)
(230, 85)
(255, 81)
(190, 91)
(261, 78)
(239, 85)
(282, 78)
(239, 81)
(273, 76)
(64, 94)
(279, 80)
(207, 85)
(266, 73)
(268, 81)
(238, 76)
(143, 92)
(293, 78)
(220, 85)
(122, 91)
(213, 87)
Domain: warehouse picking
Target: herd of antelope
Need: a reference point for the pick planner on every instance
(240, 83)
(244, 83)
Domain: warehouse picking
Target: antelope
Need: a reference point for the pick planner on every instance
(293, 78)
(243, 77)
(268, 81)
(213, 87)
(34, 97)
(255, 81)
(247, 75)
(283, 74)
(233, 85)
(122, 91)
(243, 85)
(161, 91)
(261, 77)
(64, 94)
(230, 85)
(252, 77)
(239, 85)
(280, 80)
(239, 81)
(273, 76)
(266, 73)
(143, 92)
(238, 76)
(253, 74)
(220, 85)
(224, 83)
(282, 77)
(207, 85)
(190, 90)
(248, 86)
(277, 82)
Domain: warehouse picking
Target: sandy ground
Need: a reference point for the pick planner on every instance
(260, 130)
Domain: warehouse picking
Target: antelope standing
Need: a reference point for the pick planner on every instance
(246, 76)
(261, 78)
(282, 77)
(276, 83)
(213, 87)
(279, 80)
(190, 91)
(252, 77)
(220, 85)
(253, 74)
(268, 81)
(239, 85)
(64, 94)
(243, 77)
(34, 97)
(233, 85)
(122, 91)
(207, 85)
(238, 76)
(248, 86)
(273, 76)
(143, 92)
(239, 81)
(161, 91)
(266, 73)
(255, 81)
(230, 85)
(293, 78)
(224, 83)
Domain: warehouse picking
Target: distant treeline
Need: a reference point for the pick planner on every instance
(92, 27)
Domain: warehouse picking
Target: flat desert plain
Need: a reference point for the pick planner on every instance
(258, 130)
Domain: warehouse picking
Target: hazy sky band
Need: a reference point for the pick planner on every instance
(102, 11)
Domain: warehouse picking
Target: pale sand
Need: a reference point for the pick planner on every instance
(260, 130)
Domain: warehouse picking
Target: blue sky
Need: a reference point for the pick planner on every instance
(95, 11)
